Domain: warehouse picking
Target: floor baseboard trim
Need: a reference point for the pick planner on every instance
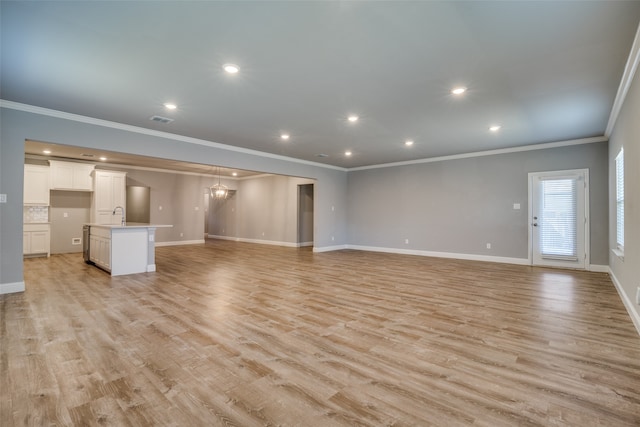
(468, 257)
(11, 288)
(329, 248)
(258, 241)
(631, 309)
(181, 242)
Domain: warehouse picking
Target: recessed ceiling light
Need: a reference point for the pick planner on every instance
(408, 143)
(322, 155)
(235, 174)
(458, 90)
(231, 68)
(348, 153)
(284, 136)
(353, 118)
(46, 151)
(495, 128)
(170, 106)
(103, 158)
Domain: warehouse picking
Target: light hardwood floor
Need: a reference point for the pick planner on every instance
(237, 334)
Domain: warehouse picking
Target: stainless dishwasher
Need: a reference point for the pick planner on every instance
(86, 231)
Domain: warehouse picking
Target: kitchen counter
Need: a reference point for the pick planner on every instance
(123, 249)
(130, 225)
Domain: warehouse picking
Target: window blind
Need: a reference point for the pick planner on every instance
(620, 200)
(558, 216)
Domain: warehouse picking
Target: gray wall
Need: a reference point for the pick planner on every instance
(458, 206)
(180, 196)
(18, 125)
(262, 208)
(626, 133)
(77, 206)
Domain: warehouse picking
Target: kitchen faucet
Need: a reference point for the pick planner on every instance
(122, 211)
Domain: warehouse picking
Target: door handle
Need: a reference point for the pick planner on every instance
(535, 224)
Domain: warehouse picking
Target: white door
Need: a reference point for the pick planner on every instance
(558, 218)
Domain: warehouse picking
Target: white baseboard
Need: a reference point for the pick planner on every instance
(628, 304)
(181, 242)
(258, 241)
(598, 268)
(469, 257)
(330, 248)
(305, 244)
(11, 288)
(151, 268)
(215, 236)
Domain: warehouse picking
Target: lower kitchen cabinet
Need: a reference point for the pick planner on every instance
(100, 248)
(36, 239)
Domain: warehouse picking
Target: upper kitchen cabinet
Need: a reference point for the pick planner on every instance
(71, 176)
(109, 191)
(36, 185)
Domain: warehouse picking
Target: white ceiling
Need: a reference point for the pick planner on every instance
(545, 71)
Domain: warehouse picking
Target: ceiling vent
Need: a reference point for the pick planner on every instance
(160, 119)
(87, 155)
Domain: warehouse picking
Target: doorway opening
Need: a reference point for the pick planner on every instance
(305, 215)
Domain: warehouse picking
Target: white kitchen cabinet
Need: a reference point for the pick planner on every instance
(100, 247)
(71, 176)
(36, 185)
(36, 239)
(109, 191)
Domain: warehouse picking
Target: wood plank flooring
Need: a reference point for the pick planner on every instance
(235, 334)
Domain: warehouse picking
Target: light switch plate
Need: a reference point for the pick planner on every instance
(516, 206)
(3, 198)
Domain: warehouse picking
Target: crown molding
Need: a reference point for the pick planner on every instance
(627, 78)
(151, 132)
(488, 153)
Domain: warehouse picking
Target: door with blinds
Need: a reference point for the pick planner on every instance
(558, 218)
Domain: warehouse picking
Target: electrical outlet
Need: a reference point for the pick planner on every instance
(406, 241)
(332, 238)
(181, 234)
(488, 245)
(3, 198)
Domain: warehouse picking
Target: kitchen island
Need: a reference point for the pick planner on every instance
(123, 249)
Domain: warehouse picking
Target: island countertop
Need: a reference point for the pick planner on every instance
(129, 225)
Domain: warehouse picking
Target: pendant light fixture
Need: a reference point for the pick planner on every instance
(219, 191)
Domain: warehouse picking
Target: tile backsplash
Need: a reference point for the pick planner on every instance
(35, 214)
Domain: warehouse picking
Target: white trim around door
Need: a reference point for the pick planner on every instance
(559, 218)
